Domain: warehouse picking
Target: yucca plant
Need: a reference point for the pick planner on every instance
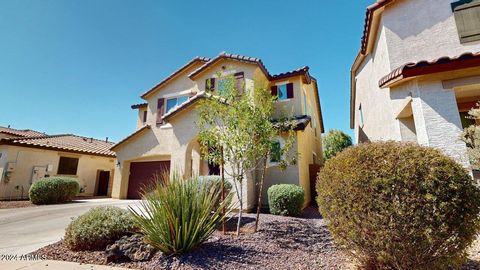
(179, 214)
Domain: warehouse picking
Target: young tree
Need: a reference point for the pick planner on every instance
(471, 136)
(335, 141)
(240, 124)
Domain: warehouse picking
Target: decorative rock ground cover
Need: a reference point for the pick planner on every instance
(281, 243)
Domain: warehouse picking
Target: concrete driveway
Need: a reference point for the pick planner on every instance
(23, 230)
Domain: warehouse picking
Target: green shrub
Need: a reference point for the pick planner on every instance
(285, 200)
(53, 190)
(399, 206)
(180, 214)
(99, 227)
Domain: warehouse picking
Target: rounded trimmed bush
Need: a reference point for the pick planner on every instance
(285, 199)
(53, 190)
(99, 227)
(399, 206)
(214, 180)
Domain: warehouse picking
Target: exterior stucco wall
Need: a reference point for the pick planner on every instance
(177, 140)
(437, 120)
(27, 158)
(140, 122)
(412, 31)
(290, 107)
(377, 107)
(180, 85)
(422, 30)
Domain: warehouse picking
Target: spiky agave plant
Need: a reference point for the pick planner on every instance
(179, 214)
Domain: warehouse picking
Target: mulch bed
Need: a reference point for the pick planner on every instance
(281, 243)
(15, 204)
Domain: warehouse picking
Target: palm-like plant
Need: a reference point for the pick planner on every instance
(178, 215)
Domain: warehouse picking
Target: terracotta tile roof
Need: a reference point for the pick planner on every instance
(21, 133)
(197, 59)
(144, 128)
(237, 57)
(368, 21)
(296, 72)
(296, 123)
(139, 105)
(65, 142)
(466, 60)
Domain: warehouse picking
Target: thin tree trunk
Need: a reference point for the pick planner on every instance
(223, 193)
(260, 192)
(241, 210)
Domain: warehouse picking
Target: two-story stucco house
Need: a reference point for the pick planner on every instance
(417, 73)
(166, 136)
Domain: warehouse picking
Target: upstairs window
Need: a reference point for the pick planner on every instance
(283, 91)
(275, 152)
(67, 166)
(222, 86)
(467, 18)
(144, 117)
(360, 111)
(172, 103)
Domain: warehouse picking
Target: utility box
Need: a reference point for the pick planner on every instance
(1, 174)
(11, 166)
(49, 168)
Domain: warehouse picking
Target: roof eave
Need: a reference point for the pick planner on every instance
(353, 86)
(173, 75)
(131, 136)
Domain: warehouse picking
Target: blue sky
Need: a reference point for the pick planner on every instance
(76, 66)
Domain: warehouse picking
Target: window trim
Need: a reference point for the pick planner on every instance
(362, 119)
(177, 104)
(145, 115)
(68, 157)
(271, 163)
(459, 10)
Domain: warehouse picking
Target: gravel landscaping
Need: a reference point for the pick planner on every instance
(15, 204)
(281, 243)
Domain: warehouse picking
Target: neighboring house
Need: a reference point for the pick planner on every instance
(418, 73)
(27, 155)
(166, 136)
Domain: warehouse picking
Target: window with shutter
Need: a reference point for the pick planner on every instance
(283, 91)
(160, 105)
(144, 116)
(274, 90)
(467, 18)
(240, 82)
(210, 84)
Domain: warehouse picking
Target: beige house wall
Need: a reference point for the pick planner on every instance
(26, 159)
(422, 30)
(140, 122)
(177, 140)
(410, 31)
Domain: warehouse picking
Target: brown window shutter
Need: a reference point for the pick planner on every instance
(290, 90)
(274, 90)
(144, 116)
(210, 84)
(240, 81)
(467, 16)
(160, 110)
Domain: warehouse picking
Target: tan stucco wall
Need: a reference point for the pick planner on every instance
(176, 141)
(27, 158)
(140, 122)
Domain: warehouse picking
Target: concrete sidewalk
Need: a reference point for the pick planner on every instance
(23, 230)
(52, 265)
